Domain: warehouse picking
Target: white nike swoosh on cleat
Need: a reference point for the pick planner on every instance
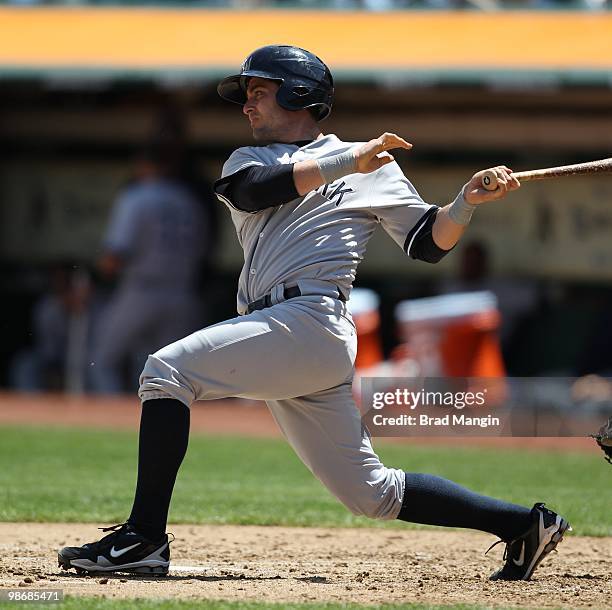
(114, 554)
(521, 559)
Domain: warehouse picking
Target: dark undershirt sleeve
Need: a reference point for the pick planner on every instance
(258, 187)
(420, 243)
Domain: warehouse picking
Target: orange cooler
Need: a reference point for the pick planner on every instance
(453, 335)
(363, 305)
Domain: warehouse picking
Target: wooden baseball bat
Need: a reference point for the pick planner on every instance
(603, 166)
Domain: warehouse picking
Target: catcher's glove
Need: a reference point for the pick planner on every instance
(604, 439)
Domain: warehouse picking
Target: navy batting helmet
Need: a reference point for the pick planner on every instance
(305, 81)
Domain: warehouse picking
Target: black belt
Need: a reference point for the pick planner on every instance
(288, 293)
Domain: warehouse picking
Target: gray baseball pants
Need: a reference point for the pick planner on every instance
(298, 356)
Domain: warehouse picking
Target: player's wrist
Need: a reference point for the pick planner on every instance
(337, 166)
(460, 210)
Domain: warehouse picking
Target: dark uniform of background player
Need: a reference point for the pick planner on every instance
(288, 221)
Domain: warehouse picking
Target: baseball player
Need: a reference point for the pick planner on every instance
(304, 205)
(154, 243)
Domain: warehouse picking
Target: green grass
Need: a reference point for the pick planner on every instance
(84, 475)
(98, 603)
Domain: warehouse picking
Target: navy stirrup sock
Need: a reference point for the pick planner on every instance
(432, 500)
(164, 435)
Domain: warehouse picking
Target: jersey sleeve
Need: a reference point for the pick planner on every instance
(398, 206)
(240, 159)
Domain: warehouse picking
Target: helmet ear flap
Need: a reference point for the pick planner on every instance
(301, 97)
(300, 91)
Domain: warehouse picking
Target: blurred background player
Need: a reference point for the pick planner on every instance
(154, 246)
(63, 328)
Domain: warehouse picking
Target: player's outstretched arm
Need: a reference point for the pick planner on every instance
(452, 219)
(310, 175)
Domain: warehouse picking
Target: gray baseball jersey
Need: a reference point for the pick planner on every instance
(324, 234)
(298, 355)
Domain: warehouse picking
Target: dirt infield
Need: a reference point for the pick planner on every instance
(313, 564)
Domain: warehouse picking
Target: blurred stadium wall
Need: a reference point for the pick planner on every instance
(80, 88)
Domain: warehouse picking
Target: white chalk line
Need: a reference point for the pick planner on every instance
(189, 569)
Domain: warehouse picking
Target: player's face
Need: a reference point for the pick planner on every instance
(269, 122)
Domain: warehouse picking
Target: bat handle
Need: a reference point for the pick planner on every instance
(489, 180)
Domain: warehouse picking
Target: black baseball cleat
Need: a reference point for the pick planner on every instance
(523, 554)
(124, 550)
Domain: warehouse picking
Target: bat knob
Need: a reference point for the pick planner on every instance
(489, 180)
